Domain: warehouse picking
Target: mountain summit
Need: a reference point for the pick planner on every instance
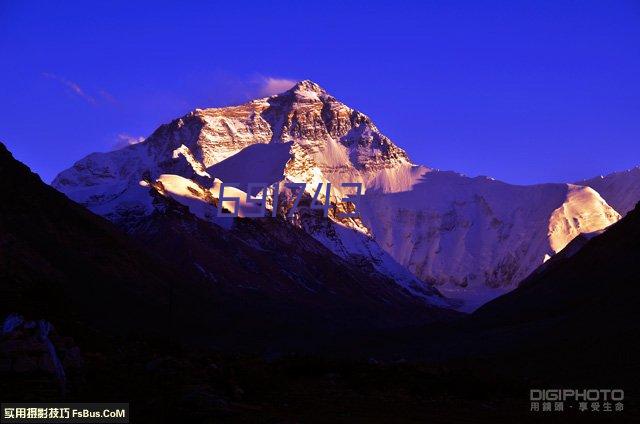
(307, 86)
(474, 238)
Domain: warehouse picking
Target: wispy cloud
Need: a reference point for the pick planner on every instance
(271, 85)
(108, 96)
(124, 140)
(224, 88)
(73, 87)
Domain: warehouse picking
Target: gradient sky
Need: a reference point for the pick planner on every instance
(525, 92)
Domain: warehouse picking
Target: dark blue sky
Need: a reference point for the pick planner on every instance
(522, 91)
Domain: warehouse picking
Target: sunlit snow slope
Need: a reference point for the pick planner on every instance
(620, 189)
(473, 238)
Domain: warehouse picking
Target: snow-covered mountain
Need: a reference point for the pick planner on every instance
(476, 238)
(620, 189)
(472, 237)
(303, 135)
(261, 285)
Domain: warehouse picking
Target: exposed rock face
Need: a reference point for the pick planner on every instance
(303, 135)
(325, 141)
(183, 277)
(473, 237)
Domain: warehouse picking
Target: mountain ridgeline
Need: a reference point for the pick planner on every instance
(126, 283)
(472, 239)
(177, 274)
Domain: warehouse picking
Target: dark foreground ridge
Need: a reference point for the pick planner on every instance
(60, 259)
(128, 324)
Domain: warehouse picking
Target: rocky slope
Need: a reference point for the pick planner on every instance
(59, 260)
(477, 237)
(472, 237)
(304, 135)
(183, 278)
(599, 278)
(575, 326)
(574, 322)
